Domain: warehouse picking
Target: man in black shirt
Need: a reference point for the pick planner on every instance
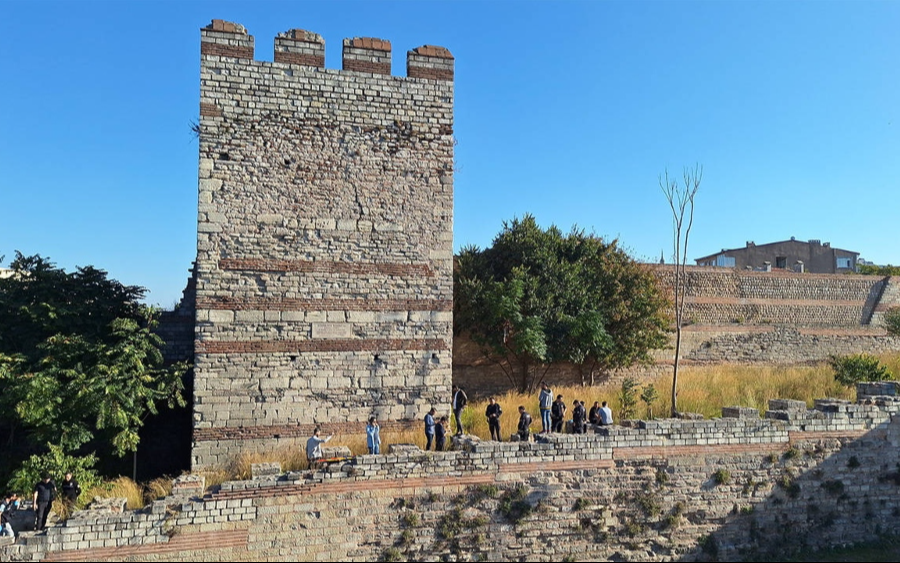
(70, 489)
(524, 424)
(44, 493)
(578, 416)
(493, 413)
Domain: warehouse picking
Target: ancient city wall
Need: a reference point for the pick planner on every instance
(324, 249)
(743, 317)
(731, 488)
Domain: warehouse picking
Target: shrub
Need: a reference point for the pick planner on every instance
(410, 519)
(856, 368)
(513, 505)
(56, 462)
(722, 476)
(892, 321)
(628, 398)
(580, 504)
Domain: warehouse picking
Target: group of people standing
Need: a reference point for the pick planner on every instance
(44, 494)
(553, 413)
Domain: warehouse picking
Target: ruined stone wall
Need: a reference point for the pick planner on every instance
(324, 285)
(732, 488)
(736, 316)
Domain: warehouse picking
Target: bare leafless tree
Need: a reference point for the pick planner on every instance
(681, 201)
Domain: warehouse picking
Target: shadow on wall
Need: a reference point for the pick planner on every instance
(827, 492)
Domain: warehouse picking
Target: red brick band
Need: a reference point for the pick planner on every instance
(429, 73)
(264, 304)
(556, 466)
(219, 50)
(210, 110)
(367, 66)
(711, 449)
(802, 436)
(317, 267)
(779, 302)
(198, 541)
(297, 430)
(323, 345)
(304, 59)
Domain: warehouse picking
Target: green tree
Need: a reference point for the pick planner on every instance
(649, 395)
(873, 270)
(628, 398)
(79, 362)
(858, 368)
(537, 297)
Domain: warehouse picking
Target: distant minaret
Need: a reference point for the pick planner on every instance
(662, 257)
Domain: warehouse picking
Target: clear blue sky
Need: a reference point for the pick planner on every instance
(566, 110)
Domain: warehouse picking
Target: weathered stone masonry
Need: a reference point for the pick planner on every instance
(324, 247)
(731, 488)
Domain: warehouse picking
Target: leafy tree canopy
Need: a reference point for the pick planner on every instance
(538, 297)
(78, 360)
(873, 270)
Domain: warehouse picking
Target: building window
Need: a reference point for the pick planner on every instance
(781, 262)
(843, 263)
(725, 261)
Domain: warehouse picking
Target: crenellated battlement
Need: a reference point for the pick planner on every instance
(324, 239)
(299, 47)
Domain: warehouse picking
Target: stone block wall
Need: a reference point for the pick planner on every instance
(739, 316)
(324, 249)
(734, 488)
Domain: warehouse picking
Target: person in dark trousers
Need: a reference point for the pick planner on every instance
(459, 403)
(44, 494)
(440, 432)
(594, 414)
(493, 413)
(429, 428)
(578, 416)
(70, 489)
(524, 424)
(557, 414)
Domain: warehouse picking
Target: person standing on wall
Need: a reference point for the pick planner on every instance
(594, 414)
(606, 417)
(578, 416)
(493, 412)
(459, 403)
(373, 436)
(557, 414)
(44, 494)
(70, 489)
(429, 428)
(314, 447)
(545, 402)
(440, 432)
(524, 424)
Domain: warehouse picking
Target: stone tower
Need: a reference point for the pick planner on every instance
(324, 240)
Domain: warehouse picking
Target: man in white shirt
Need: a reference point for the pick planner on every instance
(314, 446)
(605, 415)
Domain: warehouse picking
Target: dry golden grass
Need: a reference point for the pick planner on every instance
(290, 458)
(157, 489)
(701, 389)
(121, 487)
